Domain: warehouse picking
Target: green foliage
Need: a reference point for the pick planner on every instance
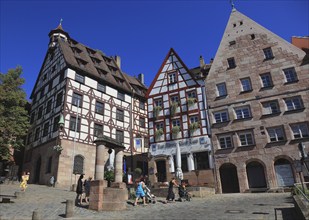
(109, 175)
(137, 171)
(14, 120)
(174, 106)
(156, 111)
(159, 132)
(193, 126)
(175, 129)
(191, 101)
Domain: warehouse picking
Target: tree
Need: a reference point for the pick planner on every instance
(14, 119)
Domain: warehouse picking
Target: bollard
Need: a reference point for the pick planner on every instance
(69, 209)
(36, 215)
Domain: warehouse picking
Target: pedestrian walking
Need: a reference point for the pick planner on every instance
(171, 194)
(87, 188)
(24, 183)
(79, 190)
(52, 181)
(139, 192)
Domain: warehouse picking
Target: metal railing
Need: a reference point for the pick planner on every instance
(300, 189)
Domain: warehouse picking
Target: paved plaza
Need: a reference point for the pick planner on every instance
(49, 203)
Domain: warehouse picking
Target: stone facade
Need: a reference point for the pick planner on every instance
(257, 93)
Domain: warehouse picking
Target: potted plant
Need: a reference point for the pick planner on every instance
(194, 126)
(173, 108)
(58, 148)
(159, 132)
(109, 177)
(156, 111)
(175, 130)
(191, 101)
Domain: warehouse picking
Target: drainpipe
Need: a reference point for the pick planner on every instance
(131, 130)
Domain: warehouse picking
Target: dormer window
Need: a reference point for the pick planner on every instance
(81, 63)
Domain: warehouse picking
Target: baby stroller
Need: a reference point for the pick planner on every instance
(150, 198)
(183, 194)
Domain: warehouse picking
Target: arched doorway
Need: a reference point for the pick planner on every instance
(161, 170)
(284, 173)
(256, 175)
(37, 171)
(229, 178)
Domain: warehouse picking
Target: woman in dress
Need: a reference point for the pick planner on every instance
(25, 178)
(79, 190)
(171, 194)
(139, 193)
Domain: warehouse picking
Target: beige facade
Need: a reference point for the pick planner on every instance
(258, 99)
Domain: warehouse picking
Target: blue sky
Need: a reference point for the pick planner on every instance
(141, 32)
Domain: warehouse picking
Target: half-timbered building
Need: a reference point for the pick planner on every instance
(81, 93)
(177, 116)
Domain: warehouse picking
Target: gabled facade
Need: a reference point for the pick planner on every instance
(85, 91)
(258, 98)
(176, 115)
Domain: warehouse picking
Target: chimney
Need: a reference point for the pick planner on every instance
(141, 78)
(202, 62)
(118, 61)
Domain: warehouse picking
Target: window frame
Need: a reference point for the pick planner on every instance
(101, 87)
(231, 63)
(246, 85)
(220, 115)
(75, 98)
(72, 124)
(80, 78)
(221, 89)
(99, 107)
(268, 53)
(172, 78)
(242, 108)
(300, 130)
(268, 107)
(97, 129)
(276, 134)
(291, 101)
(245, 135)
(290, 75)
(120, 115)
(266, 80)
(224, 137)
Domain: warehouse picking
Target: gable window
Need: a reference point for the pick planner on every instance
(142, 122)
(245, 138)
(159, 126)
(40, 112)
(268, 53)
(56, 123)
(300, 130)
(120, 115)
(275, 134)
(221, 90)
(59, 99)
(266, 80)
(176, 122)
(193, 119)
(45, 129)
(174, 99)
(158, 102)
(49, 106)
(246, 84)
(99, 108)
(225, 141)
(79, 78)
(77, 99)
(101, 88)
(37, 134)
(290, 75)
(142, 105)
(221, 116)
(231, 63)
(293, 103)
(120, 95)
(271, 107)
(242, 112)
(98, 129)
(119, 136)
(172, 78)
(74, 124)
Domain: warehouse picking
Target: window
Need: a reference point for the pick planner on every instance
(142, 122)
(174, 99)
(225, 142)
(45, 130)
(232, 42)
(79, 78)
(119, 136)
(78, 167)
(74, 124)
(300, 130)
(98, 129)
(159, 126)
(59, 99)
(56, 123)
(49, 106)
(50, 86)
(99, 108)
(221, 89)
(268, 53)
(266, 80)
(293, 103)
(158, 102)
(242, 112)
(191, 94)
(49, 165)
(61, 77)
(37, 134)
(246, 84)
(193, 119)
(271, 107)
(120, 115)
(290, 75)
(176, 122)
(172, 78)
(202, 160)
(120, 95)
(246, 138)
(77, 99)
(184, 162)
(142, 105)
(221, 116)
(275, 134)
(32, 117)
(231, 63)
(40, 112)
(42, 93)
(101, 87)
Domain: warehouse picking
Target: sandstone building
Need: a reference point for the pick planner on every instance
(258, 99)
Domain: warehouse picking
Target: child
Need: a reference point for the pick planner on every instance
(139, 193)
(183, 193)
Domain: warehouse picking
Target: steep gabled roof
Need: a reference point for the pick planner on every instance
(171, 62)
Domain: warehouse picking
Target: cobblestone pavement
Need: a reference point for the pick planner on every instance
(50, 204)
